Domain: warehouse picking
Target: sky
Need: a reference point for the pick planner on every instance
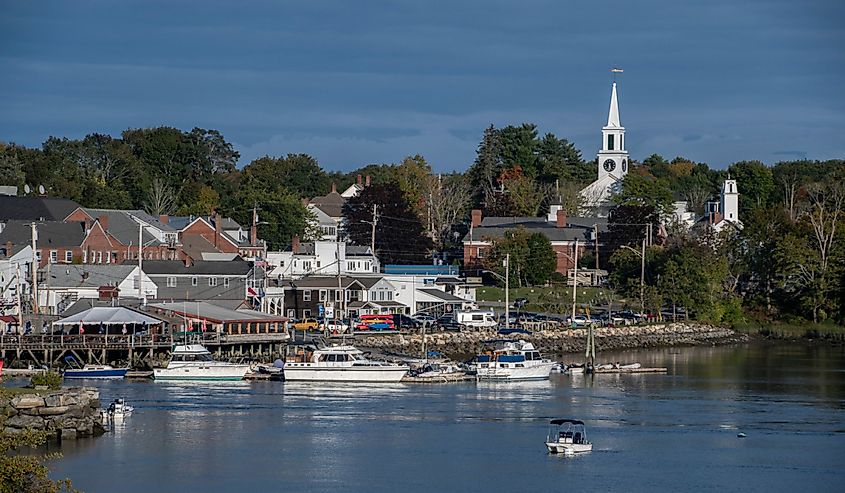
(356, 83)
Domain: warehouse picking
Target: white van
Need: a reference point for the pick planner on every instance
(476, 319)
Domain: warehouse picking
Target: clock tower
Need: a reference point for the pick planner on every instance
(613, 158)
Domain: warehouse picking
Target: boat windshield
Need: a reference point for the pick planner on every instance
(193, 357)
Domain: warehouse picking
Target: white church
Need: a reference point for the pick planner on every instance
(613, 161)
(612, 164)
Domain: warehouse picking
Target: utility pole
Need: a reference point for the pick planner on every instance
(507, 286)
(375, 220)
(575, 282)
(34, 270)
(140, 260)
(642, 281)
(18, 292)
(596, 240)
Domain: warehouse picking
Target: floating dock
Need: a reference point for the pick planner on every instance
(445, 378)
(138, 374)
(631, 370)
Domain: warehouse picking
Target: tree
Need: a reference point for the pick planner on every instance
(644, 191)
(542, 260)
(514, 242)
(160, 200)
(755, 183)
(448, 198)
(26, 473)
(399, 237)
(519, 148)
(300, 174)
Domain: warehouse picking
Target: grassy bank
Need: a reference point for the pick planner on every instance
(548, 298)
(785, 330)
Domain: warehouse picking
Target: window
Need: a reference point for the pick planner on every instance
(291, 313)
(212, 281)
(306, 295)
(337, 294)
(171, 281)
(306, 313)
(54, 256)
(480, 253)
(99, 257)
(194, 281)
(318, 264)
(323, 295)
(68, 256)
(610, 142)
(38, 255)
(225, 282)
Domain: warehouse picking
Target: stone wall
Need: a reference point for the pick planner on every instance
(462, 345)
(67, 413)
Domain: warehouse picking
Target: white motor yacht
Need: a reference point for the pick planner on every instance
(341, 364)
(194, 362)
(516, 360)
(568, 437)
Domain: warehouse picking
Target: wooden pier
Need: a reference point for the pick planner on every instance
(138, 351)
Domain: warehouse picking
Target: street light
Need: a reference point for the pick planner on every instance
(506, 264)
(642, 275)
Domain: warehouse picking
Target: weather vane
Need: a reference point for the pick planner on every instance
(614, 71)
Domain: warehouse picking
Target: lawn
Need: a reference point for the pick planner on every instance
(549, 299)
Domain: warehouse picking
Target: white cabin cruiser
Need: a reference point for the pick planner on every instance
(516, 360)
(341, 364)
(194, 362)
(568, 437)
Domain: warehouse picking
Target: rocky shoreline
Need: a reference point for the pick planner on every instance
(461, 345)
(65, 414)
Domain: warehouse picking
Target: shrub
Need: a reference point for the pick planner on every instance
(49, 379)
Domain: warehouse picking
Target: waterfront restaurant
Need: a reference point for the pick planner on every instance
(103, 320)
(201, 316)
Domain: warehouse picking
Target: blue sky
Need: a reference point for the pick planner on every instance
(354, 83)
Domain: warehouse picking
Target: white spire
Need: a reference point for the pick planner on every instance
(613, 115)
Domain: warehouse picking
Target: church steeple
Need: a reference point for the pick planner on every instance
(613, 158)
(613, 115)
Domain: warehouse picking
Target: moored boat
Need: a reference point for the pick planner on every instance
(95, 371)
(567, 436)
(341, 364)
(514, 361)
(194, 362)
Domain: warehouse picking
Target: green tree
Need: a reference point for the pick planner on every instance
(516, 243)
(755, 183)
(542, 260)
(23, 473)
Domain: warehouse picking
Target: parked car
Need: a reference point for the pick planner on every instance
(424, 318)
(405, 322)
(335, 326)
(578, 321)
(307, 324)
(447, 322)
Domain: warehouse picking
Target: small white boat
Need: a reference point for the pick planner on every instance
(341, 364)
(568, 437)
(117, 411)
(438, 371)
(194, 362)
(516, 360)
(95, 371)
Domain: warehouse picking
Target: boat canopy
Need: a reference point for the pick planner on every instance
(564, 421)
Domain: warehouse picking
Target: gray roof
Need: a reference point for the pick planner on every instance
(35, 208)
(331, 204)
(443, 295)
(122, 226)
(181, 222)
(87, 275)
(108, 315)
(321, 282)
(576, 227)
(208, 311)
(351, 250)
(200, 267)
(50, 234)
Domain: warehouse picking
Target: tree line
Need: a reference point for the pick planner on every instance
(787, 261)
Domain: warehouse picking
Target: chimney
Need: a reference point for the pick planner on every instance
(104, 222)
(187, 261)
(164, 218)
(476, 218)
(359, 179)
(561, 218)
(217, 229)
(8, 248)
(294, 244)
(334, 187)
(253, 230)
(367, 183)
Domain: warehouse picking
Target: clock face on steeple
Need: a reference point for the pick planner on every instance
(609, 165)
(624, 165)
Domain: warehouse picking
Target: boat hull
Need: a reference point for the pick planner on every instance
(490, 372)
(569, 448)
(111, 373)
(202, 373)
(341, 374)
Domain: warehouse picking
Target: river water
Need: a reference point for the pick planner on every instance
(650, 432)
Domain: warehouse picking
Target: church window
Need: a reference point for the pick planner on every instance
(610, 142)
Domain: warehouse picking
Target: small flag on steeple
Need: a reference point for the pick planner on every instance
(616, 70)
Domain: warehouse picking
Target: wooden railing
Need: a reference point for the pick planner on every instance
(119, 341)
